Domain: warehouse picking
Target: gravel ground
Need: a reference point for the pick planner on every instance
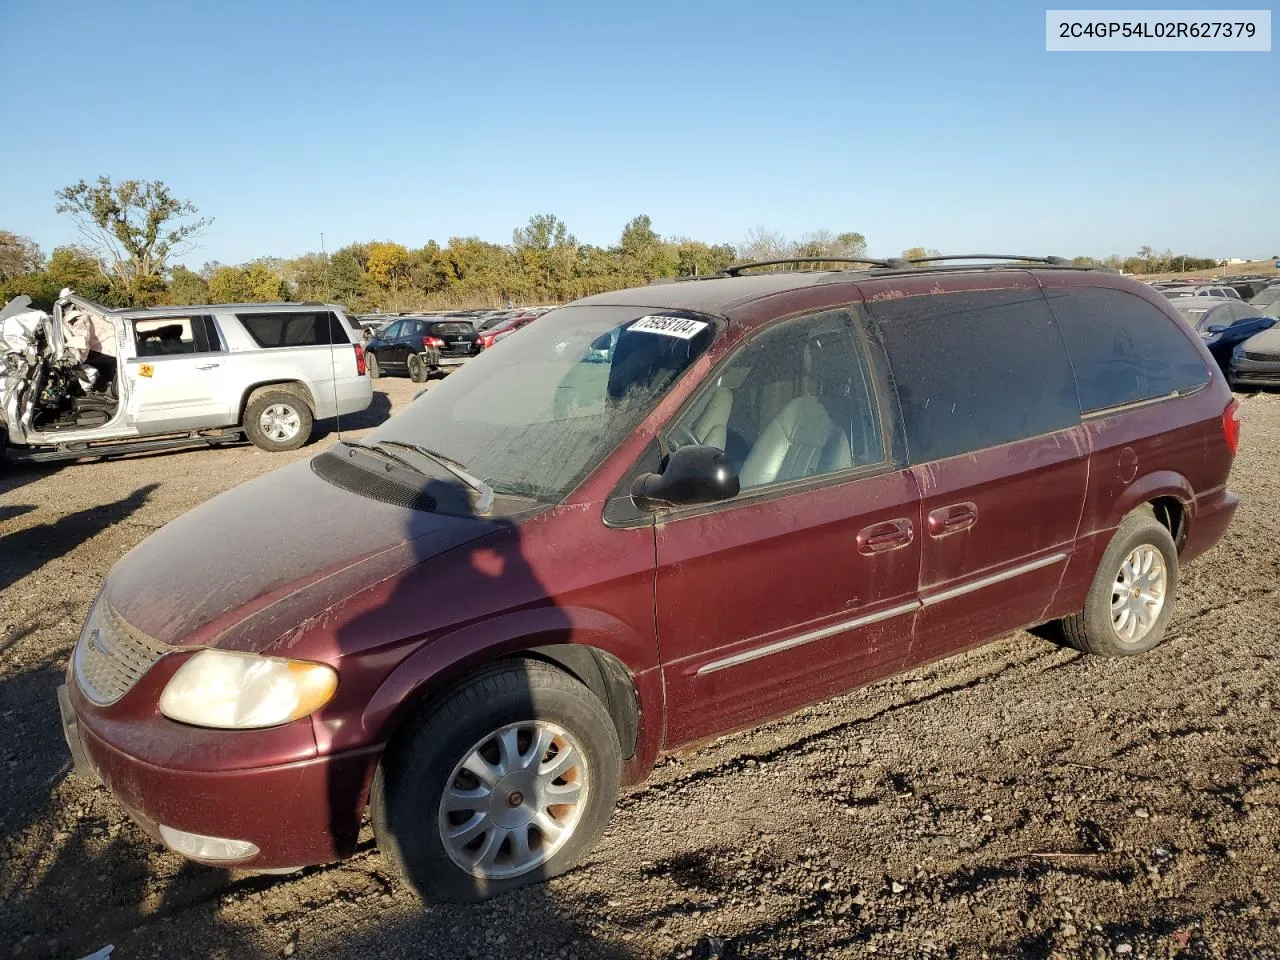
(1017, 801)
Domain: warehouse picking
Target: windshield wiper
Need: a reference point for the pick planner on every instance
(383, 453)
(483, 492)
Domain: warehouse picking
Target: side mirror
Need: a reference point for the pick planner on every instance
(1217, 328)
(691, 475)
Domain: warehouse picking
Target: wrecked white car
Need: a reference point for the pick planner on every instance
(87, 381)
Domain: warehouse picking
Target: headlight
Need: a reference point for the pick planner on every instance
(1238, 352)
(242, 691)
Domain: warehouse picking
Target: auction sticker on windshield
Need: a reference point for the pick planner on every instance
(680, 327)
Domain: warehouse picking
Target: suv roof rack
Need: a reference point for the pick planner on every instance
(735, 270)
(1016, 257)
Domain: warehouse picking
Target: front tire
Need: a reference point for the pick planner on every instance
(508, 780)
(276, 420)
(1130, 602)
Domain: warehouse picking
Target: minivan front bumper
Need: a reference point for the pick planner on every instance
(294, 814)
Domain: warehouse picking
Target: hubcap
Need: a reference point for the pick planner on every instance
(280, 422)
(1137, 596)
(514, 799)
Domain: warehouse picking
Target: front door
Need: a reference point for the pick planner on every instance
(804, 585)
(992, 418)
(177, 374)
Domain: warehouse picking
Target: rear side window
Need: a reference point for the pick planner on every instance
(164, 336)
(975, 370)
(302, 329)
(1123, 348)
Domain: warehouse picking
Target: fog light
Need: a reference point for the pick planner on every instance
(199, 847)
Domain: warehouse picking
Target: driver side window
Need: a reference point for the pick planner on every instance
(794, 402)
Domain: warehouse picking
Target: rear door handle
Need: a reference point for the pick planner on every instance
(207, 366)
(880, 537)
(952, 519)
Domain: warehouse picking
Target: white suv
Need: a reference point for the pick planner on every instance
(89, 381)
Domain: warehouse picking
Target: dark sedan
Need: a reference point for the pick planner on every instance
(1222, 323)
(420, 346)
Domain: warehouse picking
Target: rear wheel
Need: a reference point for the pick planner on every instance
(506, 781)
(1130, 602)
(276, 420)
(418, 371)
(371, 366)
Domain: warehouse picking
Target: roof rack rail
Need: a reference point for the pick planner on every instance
(735, 270)
(1053, 261)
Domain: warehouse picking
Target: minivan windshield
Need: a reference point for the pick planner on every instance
(535, 414)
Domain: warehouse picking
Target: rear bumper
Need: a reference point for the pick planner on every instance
(342, 396)
(1213, 513)
(296, 814)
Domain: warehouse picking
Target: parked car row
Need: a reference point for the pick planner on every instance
(430, 343)
(1234, 317)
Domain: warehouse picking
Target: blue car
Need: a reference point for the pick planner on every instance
(1223, 323)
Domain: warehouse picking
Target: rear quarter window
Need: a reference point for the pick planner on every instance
(302, 329)
(976, 369)
(1123, 348)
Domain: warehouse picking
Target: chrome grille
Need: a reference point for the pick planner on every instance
(111, 655)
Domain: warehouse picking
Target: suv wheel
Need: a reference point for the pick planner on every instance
(506, 781)
(418, 371)
(1130, 603)
(276, 420)
(371, 365)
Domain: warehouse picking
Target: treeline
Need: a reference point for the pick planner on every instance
(135, 230)
(1147, 260)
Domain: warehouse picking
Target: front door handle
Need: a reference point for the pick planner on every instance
(207, 366)
(952, 519)
(880, 537)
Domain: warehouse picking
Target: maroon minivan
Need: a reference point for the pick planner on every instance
(676, 511)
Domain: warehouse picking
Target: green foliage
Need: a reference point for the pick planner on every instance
(187, 286)
(133, 226)
(254, 283)
(1148, 261)
(37, 285)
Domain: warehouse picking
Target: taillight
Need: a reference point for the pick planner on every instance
(1231, 425)
(432, 342)
(359, 359)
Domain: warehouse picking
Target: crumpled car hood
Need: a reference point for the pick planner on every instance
(272, 551)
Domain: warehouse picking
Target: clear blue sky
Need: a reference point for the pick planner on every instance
(945, 125)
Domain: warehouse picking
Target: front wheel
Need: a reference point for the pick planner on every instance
(506, 781)
(1130, 602)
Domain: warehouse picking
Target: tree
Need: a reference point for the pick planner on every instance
(18, 255)
(265, 285)
(306, 276)
(230, 285)
(544, 231)
(186, 286)
(388, 265)
(134, 226)
(764, 244)
(346, 280)
(915, 253)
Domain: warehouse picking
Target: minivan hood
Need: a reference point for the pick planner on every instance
(275, 550)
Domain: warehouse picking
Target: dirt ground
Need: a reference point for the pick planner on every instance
(1016, 801)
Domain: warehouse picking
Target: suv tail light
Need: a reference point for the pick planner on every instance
(432, 342)
(359, 359)
(1231, 425)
